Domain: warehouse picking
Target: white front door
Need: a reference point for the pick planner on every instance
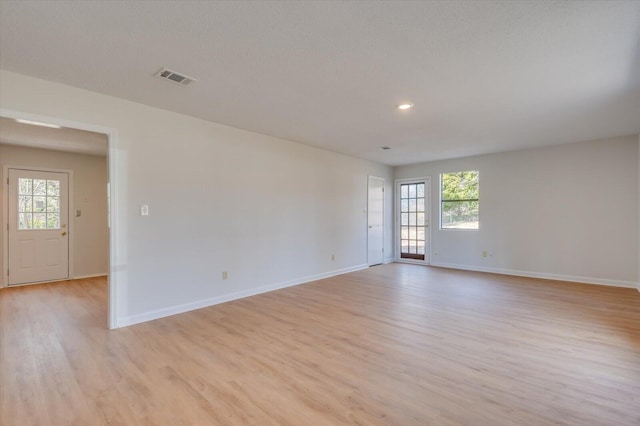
(38, 233)
(375, 219)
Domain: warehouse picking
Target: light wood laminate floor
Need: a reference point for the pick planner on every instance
(392, 345)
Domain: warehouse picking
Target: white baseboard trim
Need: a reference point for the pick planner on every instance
(58, 280)
(542, 275)
(186, 307)
(81, 277)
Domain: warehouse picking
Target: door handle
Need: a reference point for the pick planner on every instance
(64, 233)
(370, 226)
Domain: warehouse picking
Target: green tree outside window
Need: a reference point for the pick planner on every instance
(459, 195)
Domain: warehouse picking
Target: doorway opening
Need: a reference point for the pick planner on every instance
(57, 220)
(412, 219)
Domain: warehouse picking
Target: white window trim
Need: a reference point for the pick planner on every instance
(440, 228)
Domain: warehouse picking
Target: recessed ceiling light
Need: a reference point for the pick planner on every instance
(37, 123)
(405, 106)
(385, 147)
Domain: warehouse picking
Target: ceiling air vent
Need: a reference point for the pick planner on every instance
(174, 77)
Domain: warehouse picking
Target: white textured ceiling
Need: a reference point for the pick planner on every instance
(64, 139)
(484, 76)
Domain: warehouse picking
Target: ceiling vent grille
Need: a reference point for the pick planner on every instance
(174, 77)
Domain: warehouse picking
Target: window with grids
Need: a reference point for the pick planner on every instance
(412, 221)
(459, 195)
(38, 204)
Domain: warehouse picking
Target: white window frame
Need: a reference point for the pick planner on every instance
(440, 228)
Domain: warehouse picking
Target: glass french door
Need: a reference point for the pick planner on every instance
(413, 220)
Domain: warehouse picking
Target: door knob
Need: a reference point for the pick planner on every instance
(370, 226)
(64, 233)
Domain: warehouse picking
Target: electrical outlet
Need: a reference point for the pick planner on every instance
(225, 275)
(484, 253)
(333, 257)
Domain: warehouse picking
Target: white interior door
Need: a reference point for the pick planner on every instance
(38, 233)
(375, 219)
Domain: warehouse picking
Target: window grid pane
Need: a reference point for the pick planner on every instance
(53, 188)
(38, 204)
(25, 220)
(39, 187)
(39, 221)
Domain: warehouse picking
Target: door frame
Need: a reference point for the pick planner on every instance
(383, 194)
(112, 190)
(427, 231)
(5, 220)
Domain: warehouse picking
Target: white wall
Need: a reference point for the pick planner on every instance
(90, 232)
(269, 211)
(567, 212)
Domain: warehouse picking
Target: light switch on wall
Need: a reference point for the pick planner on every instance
(78, 213)
(144, 210)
